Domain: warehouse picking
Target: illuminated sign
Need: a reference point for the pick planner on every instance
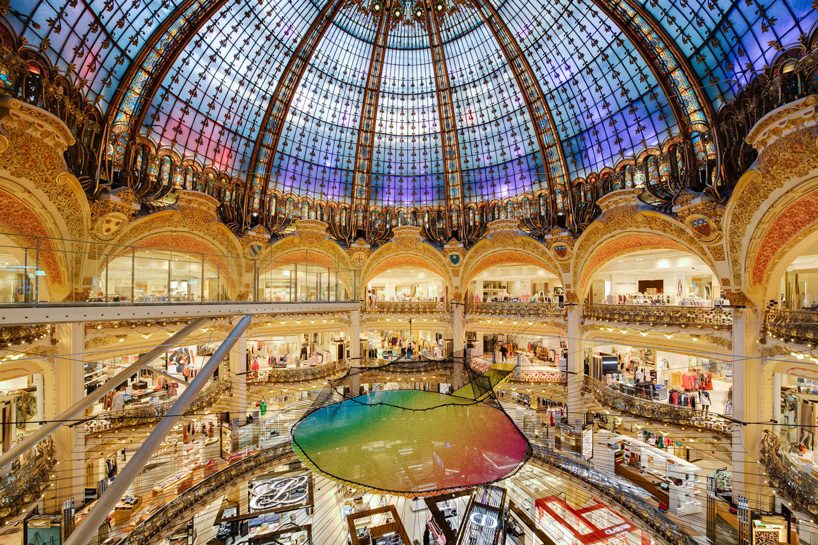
(276, 493)
(591, 524)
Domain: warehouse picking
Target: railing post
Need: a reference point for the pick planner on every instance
(133, 274)
(26, 282)
(107, 266)
(202, 281)
(37, 271)
(255, 281)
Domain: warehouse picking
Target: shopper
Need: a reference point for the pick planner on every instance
(704, 401)
(640, 376)
(118, 401)
(503, 352)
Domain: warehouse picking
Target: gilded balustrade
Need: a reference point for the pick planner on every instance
(406, 307)
(657, 411)
(496, 308)
(27, 481)
(170, 515)
(799, 326)
(300, 374)
(149, 413)
(625, 494)
(652, 315)
(14, 335)
(798, 486)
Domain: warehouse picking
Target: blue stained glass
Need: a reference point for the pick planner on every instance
(606, 102)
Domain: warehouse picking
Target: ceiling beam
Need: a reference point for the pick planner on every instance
(142, 80)
(554, 166)
(452, 167)
(365, 145)
(669, 65)
(272, 125)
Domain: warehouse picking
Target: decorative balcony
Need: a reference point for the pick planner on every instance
(23, 334)
(655, 410)
(171, 514)
(800, 326)
(620, 492)
(26, 483)
(797, 485)
(406, 307)
(300, 374)
(541, 310)
(147, 414)
(652, 315)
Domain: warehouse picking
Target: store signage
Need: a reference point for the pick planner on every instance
(276, 493)
(486, 520)
(588, 524)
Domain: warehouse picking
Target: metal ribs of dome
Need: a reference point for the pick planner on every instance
(526, 81)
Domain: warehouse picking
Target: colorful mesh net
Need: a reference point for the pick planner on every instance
(411, 442)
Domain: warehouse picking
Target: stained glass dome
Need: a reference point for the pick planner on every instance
(403, 103)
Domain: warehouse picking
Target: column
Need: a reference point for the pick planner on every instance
(576, 403)
(238, 404)
(458, 328)
(355, 352)
(68, 389)
(752, 400)
(458, 345)
(355, 336)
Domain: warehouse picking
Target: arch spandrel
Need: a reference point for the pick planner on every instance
(782, 233)
(623, 230)
(518, 250)
(406, 253)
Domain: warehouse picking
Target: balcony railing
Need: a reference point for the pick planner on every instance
(651, 315)
(798, 486)
(27, 482)
(147, 413)
(171, 514)
(618, 491)
(516, 309)
(656, 410)
(23, 334)
(799, 326)
(299, 374)
(406, 307)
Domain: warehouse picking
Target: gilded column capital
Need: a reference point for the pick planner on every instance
(35, 122)
(783, 121)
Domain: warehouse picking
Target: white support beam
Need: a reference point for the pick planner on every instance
(54, 314)
(87, 530)
(78, 408)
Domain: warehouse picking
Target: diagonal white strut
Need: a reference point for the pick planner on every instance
(88, 528)
(69, 415)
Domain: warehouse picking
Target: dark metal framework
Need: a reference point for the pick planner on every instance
(452, 168)
(681, 86)
(364, 147)
(170, 39)
(272, 125)
(555, 168)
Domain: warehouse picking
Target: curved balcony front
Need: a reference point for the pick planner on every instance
(713, 318)
(797, 485)
(657, 411)
(795, 326)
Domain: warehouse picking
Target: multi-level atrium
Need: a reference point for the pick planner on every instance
(399, 272)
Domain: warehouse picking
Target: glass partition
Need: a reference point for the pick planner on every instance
(41, 272)
(303, 277)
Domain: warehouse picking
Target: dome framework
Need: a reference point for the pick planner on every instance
(445, 114)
